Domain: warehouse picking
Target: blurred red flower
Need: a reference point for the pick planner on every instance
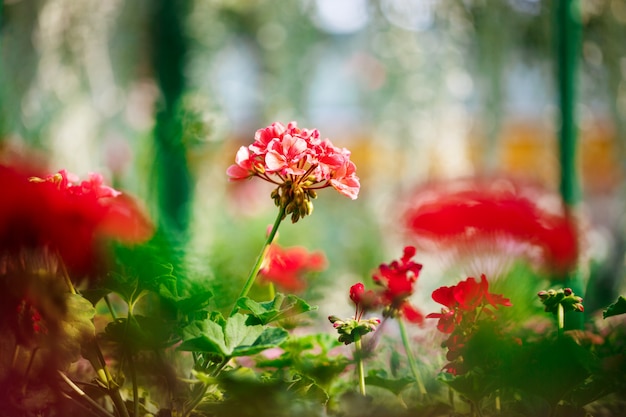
(65, 216)
(464, 214)
(286, 267)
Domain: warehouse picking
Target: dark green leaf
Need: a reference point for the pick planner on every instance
(618, 307)
(270, 338)
(380, 378)
(141, 333)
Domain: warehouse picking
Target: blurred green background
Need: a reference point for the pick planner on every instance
(158, 95)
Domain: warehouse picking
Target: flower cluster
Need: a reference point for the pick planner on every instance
(299, 163)
(565, 297)
(353, 328)
(285, 267)
(463, 304)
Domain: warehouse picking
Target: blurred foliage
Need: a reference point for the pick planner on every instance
(159, 95)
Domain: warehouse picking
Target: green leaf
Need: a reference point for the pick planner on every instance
(194, 302)
(141, 333)
(380, 378)
(306, 388)
(204, 336)
(270, 338)
(618, 307)
(237, 333)
(230, 337)
(77, 326)
(279, 308)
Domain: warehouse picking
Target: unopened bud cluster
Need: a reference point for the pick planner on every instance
(551, 299)
(295, 197)
(350, 329)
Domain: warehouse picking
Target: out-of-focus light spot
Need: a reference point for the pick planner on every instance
(460, 84)
(415, 15)
(140, 99)
(341, 16)
(592, 53)
(618, 8)
(271, 35)
(368, 70)
(526, 6)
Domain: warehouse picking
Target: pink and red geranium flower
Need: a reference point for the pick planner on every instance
(287, 153)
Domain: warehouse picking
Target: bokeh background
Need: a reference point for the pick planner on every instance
(159, 94)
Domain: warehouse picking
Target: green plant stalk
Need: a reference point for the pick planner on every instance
(560, 319)
(271, 290)
(133, 371)
(259, 261)
(410, 358)
(359, 363)
(197, 399)
(97, 408)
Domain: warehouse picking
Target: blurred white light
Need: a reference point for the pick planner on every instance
(341, 16)
(526, 6)
(414, 15)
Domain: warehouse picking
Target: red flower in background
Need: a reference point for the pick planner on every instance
(398, 280)
(286, 267)
(63, 215)
(462, 213)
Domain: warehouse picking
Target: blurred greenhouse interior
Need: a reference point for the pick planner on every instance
(158, 95)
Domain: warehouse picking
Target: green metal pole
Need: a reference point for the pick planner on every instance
(173, 179)
(568, 41)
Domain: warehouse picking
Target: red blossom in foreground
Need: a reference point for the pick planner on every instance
(398, 279)
(63, 215)
(286, 267)
(299, 163)
(464, 214)
(463, 301)
(463, 304)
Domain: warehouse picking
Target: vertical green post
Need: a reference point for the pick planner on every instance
(568, 34)
(171, 172)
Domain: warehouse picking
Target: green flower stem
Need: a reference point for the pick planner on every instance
(359, 363)
(410, 358)
(271, 290)
(560, 317)
(259, 261)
